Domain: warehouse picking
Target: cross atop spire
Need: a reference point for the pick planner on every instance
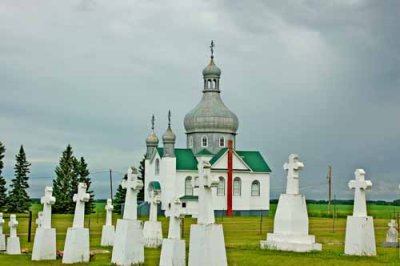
(152, 122)
(169, 118)
(212, 49)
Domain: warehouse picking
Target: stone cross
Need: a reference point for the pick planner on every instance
(39, 220)
(1, 223)
(175, 212)
(132, 185)
(293, 167)
(109, 208)
(80, 198)
(13, 223)
(47, 200)
(392, 235)
(360, 185)
(205, 182)
(155, 199)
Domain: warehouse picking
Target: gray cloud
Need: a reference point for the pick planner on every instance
(319, 78)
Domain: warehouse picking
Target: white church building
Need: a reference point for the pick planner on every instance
(211, 128)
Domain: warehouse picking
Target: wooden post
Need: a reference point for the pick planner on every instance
(329, 188)
(30, 226)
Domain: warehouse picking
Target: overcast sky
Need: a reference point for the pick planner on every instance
(317, 78)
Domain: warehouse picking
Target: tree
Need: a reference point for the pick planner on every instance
(65, 183)
(140, 196)
(83, 176)
(3, 188)
(119, 198)
(18, 198)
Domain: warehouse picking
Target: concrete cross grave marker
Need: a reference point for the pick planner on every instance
(152, 230)
(293, 167)
(132, 185)
(360, 185)
(44, 246)
(360, 234)
(108, 230)
(175, 212)
(13, 244)
(2, 236)
(80, 198)
(392, 235)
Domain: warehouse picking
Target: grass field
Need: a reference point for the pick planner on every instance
(242, 236)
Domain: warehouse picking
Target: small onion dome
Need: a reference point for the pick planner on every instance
(152, 139)
(211, 70)
(169, 136)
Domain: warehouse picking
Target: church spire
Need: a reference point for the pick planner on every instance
(169, 139)
(152, 140)
(212, 73)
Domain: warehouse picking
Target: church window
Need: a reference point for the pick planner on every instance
(157, 167)
(204, 141)
(215, 83)
(222, 141)
(190, 142)
(209, 84)
(237, 186)
(255, 188)
(188, 186)
(221, 187)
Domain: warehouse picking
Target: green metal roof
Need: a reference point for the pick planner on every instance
(204, 152)
(253, 159)
(155, 185)
(185, 159)
(189, 198)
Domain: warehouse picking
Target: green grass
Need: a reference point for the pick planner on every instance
(242, 236)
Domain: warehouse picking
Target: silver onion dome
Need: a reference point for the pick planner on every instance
(152, 139)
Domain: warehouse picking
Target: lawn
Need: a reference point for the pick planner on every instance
(242, 236)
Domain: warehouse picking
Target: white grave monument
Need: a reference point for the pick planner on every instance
(108, 231)
(76, 248)
(13, 245)
(152, 230)
(173, 250)
(392, 235)
(291, 217)
(207, 244)
(129, 243)
(360, 235)
(2, 236)
(44, 246)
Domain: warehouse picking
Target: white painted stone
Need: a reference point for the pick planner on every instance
(392, 235)
(129, 243)
(77, 247)
(152, 229)
(360, 235)
(13, 244)
(44, 246)
(2, 235)
(108, 230)
(207, 244)
(173, 250)
(291, 217)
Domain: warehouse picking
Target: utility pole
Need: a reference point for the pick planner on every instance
(111, 195)
(329, 188)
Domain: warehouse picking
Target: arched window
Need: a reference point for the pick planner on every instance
(237, 186)
(188, 186)
(190, 142)
(209, 84)
(215, 83)
(221, 187)
(255, 188)
(222, 141)
(204, 141)
(157, 167)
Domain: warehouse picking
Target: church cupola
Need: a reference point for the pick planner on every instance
(169, 140)
(151, 141)
(210, 125)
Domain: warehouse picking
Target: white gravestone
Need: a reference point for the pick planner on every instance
(207, 244)
(77, 248)
(392, 235)
(360, 235)
(108, 231)
(13, 245)
(173, 249)
(152, 230)
(2, 236)
(291, 217)
(44, 246)
(129, 243)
